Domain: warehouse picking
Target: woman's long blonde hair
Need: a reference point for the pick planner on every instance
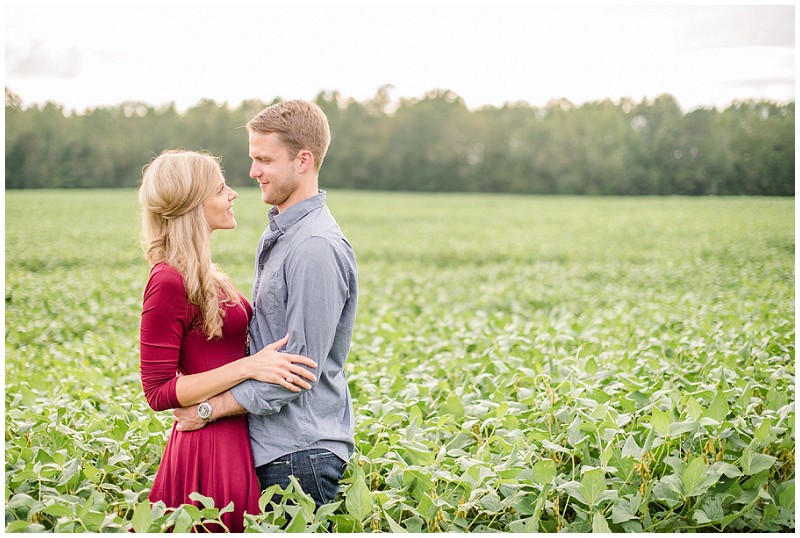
(174, 229)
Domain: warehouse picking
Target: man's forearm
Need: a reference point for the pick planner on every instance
(225, 405)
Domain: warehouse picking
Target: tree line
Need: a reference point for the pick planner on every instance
(433, 143)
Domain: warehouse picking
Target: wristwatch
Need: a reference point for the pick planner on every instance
(204, 410)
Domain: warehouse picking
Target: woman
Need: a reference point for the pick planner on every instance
(194, 335)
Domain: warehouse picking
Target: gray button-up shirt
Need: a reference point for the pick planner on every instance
(306, 286)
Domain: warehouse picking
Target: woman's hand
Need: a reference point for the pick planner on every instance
(272, 366)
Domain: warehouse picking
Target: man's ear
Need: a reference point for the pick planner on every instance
(305, 160)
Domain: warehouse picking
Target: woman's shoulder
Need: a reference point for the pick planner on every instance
(165, 271)
(165, 277)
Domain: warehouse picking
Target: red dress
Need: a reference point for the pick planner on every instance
(216, 460)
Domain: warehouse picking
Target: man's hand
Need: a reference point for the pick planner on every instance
(188, 419)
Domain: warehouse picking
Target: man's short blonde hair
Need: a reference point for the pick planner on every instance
(299, 125)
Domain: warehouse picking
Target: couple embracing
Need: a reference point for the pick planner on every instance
(259, 392)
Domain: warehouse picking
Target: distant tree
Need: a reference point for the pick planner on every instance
(432, 143)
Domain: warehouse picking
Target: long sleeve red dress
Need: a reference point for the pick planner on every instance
(216, 460)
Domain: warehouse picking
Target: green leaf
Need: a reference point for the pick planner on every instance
(207, 502)
(426, 506)
(142, 517)
(17, 526)
(693, 408)
(59, 510)
(573, 488)
(753, 462)
(721, 467)
(667, 489)
(93, 520)
(661, 421)
(711, 510)
(453, 406)
(20, 499)
(718, 410)
(677, 429)
(593, 485)
(626, 508)
(763, 431)
(84, 508)
(226, 509)
(785, 493)
(346, 523)
(490, 503)
(378, 450)
(544, 471)
(605, 455)
(326, 510)
(532, 525)
(183, 521)
(693, 476)
(631, 449)
(358, 500)
(728, 519)
(599, 524)
(298, 523)
(414, 524)
(192, 510)
(419, 481)
(267, 495)
(393, 525)
(92, 473)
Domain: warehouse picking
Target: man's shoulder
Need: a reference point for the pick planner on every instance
(320, 224)
(320, 239)
(313, 246)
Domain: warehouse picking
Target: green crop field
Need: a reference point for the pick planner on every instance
(519, 363)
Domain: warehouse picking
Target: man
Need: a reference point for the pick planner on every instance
(305, 287)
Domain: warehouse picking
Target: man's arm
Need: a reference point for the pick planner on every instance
(318, 290)
(222, 405)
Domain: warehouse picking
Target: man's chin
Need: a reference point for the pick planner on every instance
(272, 200)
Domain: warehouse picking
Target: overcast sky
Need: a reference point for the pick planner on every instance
(94, 55)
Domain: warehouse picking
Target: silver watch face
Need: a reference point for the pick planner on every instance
(204, 410)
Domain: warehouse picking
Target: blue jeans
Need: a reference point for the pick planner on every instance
(317, 470)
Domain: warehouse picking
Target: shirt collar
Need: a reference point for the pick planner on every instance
(287, 219)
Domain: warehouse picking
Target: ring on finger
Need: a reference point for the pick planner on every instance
(290, 379)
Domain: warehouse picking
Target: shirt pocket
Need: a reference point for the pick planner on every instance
(272, 294)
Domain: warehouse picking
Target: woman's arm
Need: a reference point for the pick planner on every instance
(166, 316)
(268, 365)
(222, 405)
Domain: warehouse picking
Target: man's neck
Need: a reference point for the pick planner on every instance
(302, 193)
